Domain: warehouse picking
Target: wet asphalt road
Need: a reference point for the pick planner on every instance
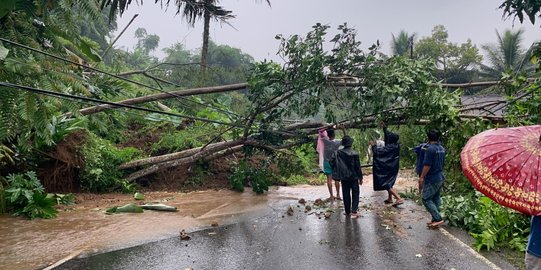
(383, 238)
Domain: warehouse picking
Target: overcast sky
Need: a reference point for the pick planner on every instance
(256, 24)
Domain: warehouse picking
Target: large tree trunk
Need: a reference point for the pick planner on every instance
(167, 95)
(184, 160)
(179, 155)
(219, 150)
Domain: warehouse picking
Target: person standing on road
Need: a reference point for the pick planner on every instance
(432, 178)
(330, 145)
(386, 164)
(533, 252)
(346, 167)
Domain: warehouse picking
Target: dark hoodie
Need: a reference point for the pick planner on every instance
(345, 163)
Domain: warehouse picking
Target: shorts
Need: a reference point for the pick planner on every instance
(327, 169)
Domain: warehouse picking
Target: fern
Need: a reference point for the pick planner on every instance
(8, 99)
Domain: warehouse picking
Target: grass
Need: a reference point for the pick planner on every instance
(314, 180)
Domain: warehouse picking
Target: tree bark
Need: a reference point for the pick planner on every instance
(179, 155)
(205, 46)
(220, 149)
(168, 95)
(182, 161)
(207, 155)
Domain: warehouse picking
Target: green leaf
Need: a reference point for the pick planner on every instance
(138, 196)
(88, 51)
(6, 6)
(3, 52)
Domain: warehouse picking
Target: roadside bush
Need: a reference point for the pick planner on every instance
(300, 179)
(26, 197)
(454, 141)
(173, 140)
(101, 160)
(491, 225)
(198, 174)
(300, 161)
(410, 137)
(259, 177)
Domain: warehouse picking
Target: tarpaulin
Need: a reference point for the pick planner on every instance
(386, 163)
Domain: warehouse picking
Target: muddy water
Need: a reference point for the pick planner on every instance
(32, 244)
(85, 229)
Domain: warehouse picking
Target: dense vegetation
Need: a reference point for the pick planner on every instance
(49, 143)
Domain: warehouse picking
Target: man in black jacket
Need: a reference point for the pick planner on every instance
(346, 167)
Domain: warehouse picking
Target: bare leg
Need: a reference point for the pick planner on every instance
(399, 200)
(337, 185)
(329, 186)
(390, 196)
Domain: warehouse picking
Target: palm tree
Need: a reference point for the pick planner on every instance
(210, 11)
(403, 44)
(191, 10)
(506, 56)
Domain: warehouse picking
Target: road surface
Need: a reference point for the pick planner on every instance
(385, 237)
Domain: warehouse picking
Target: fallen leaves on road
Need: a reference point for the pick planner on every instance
(184, 235)
(290, 211)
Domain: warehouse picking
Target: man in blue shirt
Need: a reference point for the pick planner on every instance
(420, 154)
(432, 178)
(533, 253)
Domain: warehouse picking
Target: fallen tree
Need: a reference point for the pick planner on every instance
(220, 149)
(396, 90)
(167, 95)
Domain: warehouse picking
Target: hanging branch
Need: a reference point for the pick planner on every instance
(168, 95)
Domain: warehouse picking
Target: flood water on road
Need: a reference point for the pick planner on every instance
(285, 235)
(32, 244)
(85, 229)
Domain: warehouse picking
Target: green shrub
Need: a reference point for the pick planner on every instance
(26, 197)
(173, 140)
(491, 225)
(237, 179)
(301, 161)
(176, 141)
(64, 199)
(198, 174)
(127, 187)
(260, 177)
(101, 161)
(300, 180)
(296, 180)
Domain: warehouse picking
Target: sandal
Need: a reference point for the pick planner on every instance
(397, 203)
(435, 224)
(338, 198)
(388, 201)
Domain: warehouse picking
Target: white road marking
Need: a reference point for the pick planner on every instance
(65, 259)
(470, 249)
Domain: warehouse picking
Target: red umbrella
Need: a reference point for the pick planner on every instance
(505, 165)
